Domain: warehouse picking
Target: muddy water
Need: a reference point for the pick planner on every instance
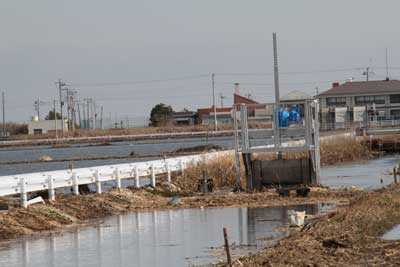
(158, 238)
(365, 174)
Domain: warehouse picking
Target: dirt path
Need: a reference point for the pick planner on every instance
(350, 237)
(70, 210)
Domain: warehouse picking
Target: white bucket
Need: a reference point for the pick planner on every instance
(296, 218)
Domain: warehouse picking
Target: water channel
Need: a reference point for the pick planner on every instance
(158, 238)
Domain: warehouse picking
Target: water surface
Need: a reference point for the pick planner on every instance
(159, 238)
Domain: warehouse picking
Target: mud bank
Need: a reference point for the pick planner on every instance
(70, 210)
(349, 237)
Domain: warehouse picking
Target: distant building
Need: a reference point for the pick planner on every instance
(36, 126)
(224, 115)
(359, 103)
(206, 115)
(184, 117)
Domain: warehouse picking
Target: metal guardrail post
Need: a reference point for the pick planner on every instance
(117, 178)
(52, 195)
(153, 176)
(98, 182)
(75, 184)
(137, 178)
(316, 143)
(168, 172)
(24, 196)
(237, 153)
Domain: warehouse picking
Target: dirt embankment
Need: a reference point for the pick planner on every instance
(349, 237)
(70, 210)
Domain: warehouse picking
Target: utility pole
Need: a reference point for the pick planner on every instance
(387, 64)
(101, 117)
(87, 112)
(37, 108)
(277, 97)
(94, 114)
(55, 118)
(214, 106)
(316, 91)
(60, 89)
(79, 115)
(84, 116)
(222, 99)
(4, 116)
(367, 72)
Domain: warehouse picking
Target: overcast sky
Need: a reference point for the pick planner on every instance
(111, 44)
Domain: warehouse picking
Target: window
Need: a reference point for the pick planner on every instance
(394, 99)
(395, 114)
(37, 131)
(336, 101)
(370, 99)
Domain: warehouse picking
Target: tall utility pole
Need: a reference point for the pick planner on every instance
(88, 101)
(214, 106)
(37, 108)
(79, 115)
(84, 115)
(101, 117)
(387, 64)
(222, 99)
(4, 116)
(55, 118)
(94, 114)
(60, 89)
(277, 97)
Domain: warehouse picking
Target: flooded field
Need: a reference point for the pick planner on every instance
(158, 238)
(366, 174)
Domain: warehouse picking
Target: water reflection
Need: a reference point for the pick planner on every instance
(157, 238)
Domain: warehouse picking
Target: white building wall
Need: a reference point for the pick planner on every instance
(45, 126)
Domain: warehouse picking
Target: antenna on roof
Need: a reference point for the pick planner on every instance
(368, 71)
(387, 65)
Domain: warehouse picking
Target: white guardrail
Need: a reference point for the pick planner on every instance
(51, 180)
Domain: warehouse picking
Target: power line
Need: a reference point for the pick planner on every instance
(139, 82)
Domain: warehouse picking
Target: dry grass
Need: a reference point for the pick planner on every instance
(222, 170)
(357, 228)
(335, 150)
(343, 149)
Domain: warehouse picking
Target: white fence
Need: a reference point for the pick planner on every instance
(31, 182)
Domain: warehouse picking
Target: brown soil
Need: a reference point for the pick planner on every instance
(349, 237)
(70, 210)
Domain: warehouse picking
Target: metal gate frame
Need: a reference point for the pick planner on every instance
(311, 136)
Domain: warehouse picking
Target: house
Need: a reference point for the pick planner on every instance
(36, 126)
(206, 115)
(360, 102)
(224, 115)
(184, 117)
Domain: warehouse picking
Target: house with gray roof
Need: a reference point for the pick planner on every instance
(359, 103)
